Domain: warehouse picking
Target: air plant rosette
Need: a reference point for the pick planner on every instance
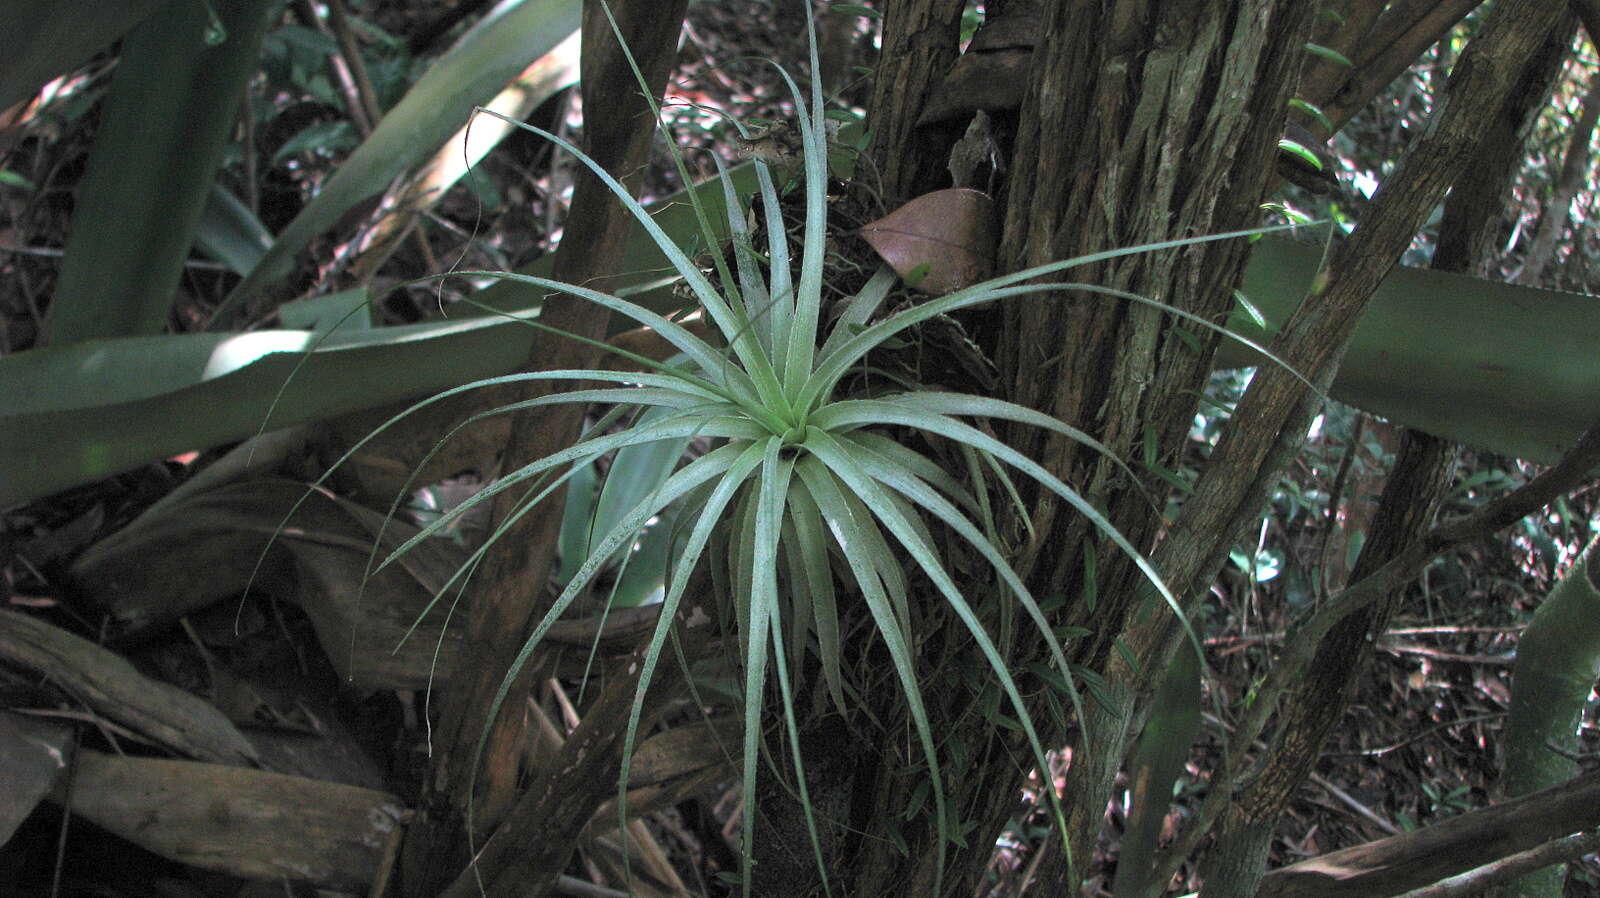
(824, 507)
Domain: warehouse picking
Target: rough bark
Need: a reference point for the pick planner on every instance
(1574, 172)
(1381, 48)
(1419, 481)
(1469, 233)
(919, 45)
(1135, 130)
(1271, 419)
(1139, 123)
(510, 588)
(1143, 123)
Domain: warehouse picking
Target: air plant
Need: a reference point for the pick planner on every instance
(808, 487)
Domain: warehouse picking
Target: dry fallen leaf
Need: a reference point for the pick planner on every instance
(939, 242)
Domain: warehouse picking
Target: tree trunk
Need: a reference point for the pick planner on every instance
(1138, 124)
(507, 593)
(1420, 478)
(1133, 132)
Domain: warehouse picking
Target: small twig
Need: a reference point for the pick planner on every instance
(352, 70)
(1474, 882)
(1278, 635)
(66, 812)
(1575, 468)
(569, 712)
(1350, 801)
(391, 854)
(1415, 737)
(1502, 660)
(1335, 495)
(1245, 639)
(1452, 631)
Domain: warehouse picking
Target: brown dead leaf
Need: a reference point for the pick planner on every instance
(939, 242)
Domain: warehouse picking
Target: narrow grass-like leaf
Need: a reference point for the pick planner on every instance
(743, 565)
(943, 403)
(890, 573)
(786, 692)
(752, 284)
(745, 460)
(656, 397)
(843, 463)
(1329, 54)
(802, 335)
(681, 425)
(799, 593)
(861, 307)
(846, 530)
(840, 413)
(773, 484)
(532, 497)
(780, 316)
(818, 583)
(706, 232)
(832, 367)
(728, 319)
(697, 472)
(921, 466)
(711, 363)
(506, 482)
(903, 481)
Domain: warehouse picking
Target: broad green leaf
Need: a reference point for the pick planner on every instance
(1154, 768)
(480, 65)
(48, 39)
(163, 127)
(73, 414)
(1499, 367)
(644, 579)
(635, 473)
(577, 520)
(1505, 368)
(1557, 657)
(230, 233)
(347, 308)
